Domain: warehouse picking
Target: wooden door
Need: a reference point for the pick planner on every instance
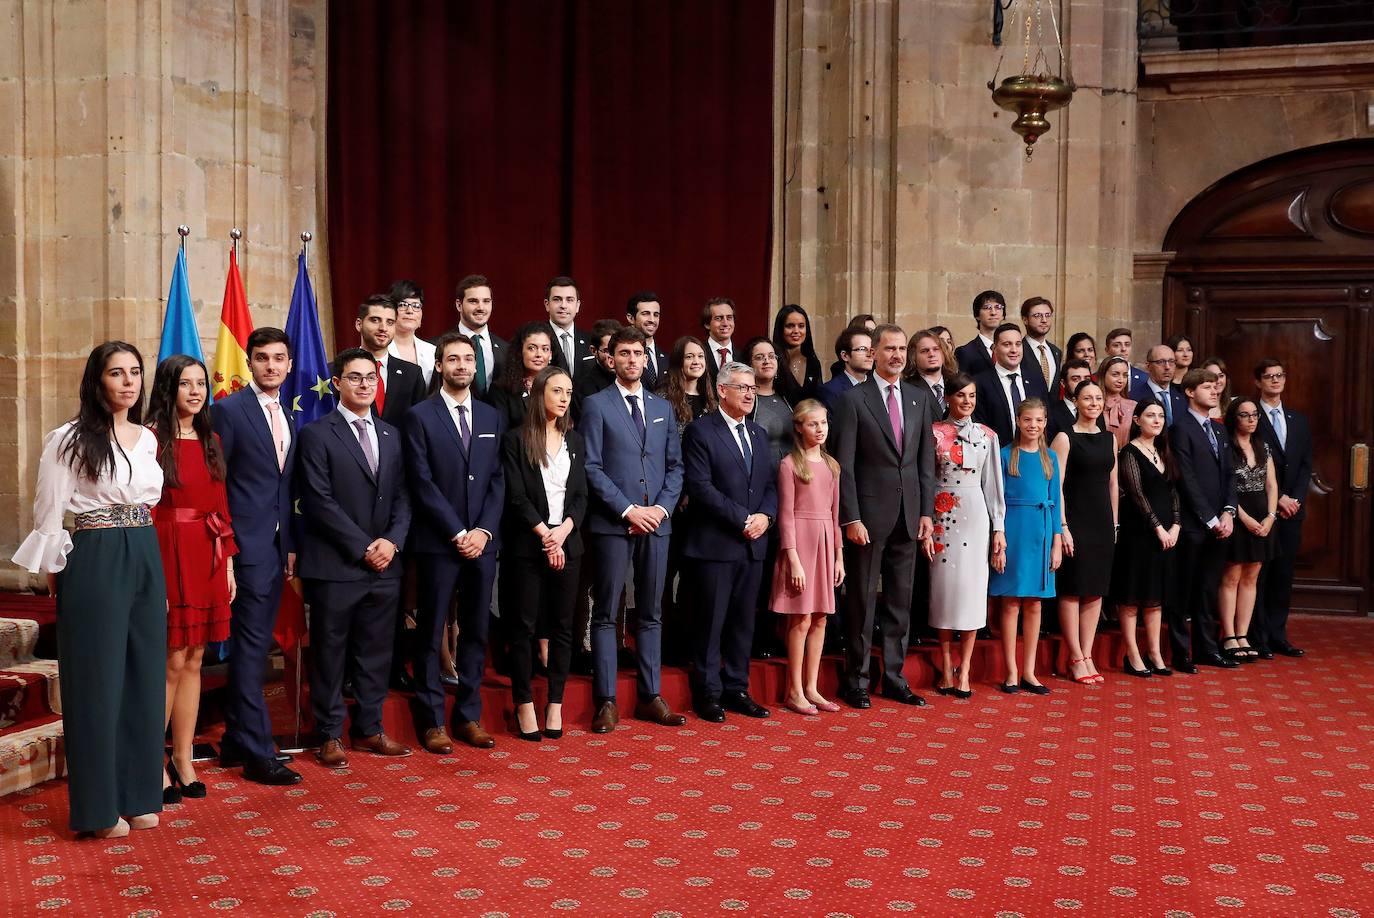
(1278, 260)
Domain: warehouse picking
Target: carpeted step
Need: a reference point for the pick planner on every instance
(31, 753)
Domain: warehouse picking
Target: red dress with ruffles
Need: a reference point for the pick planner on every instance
(196, 538)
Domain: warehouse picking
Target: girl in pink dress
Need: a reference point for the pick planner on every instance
(810, 564)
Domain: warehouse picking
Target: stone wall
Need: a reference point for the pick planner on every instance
(120, 119)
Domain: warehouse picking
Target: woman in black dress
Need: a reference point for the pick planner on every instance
(799, 369)
(1150, 524)
(1087, 454)
(1253, 542)
(530, 351)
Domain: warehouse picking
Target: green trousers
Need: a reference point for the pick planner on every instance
(112, 659)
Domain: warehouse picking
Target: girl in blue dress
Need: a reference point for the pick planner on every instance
(1034, 521)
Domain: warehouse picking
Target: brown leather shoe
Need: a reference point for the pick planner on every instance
(607, 716)
(658, 712)
(473, 734)
(381, 744)
(332, 755)
(436, 741)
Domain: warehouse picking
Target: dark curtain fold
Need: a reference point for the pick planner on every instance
(625, 142)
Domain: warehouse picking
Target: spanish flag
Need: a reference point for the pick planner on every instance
(235, 325)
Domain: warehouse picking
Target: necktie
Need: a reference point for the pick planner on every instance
(366, 443)
(279, 441)
(1212, 438)
(1168, 407)
(636, 414)
(568, 350)
(481, 363)
(1015, 396)
(381, 388)
(464, 431)
(939, 390)
(1044, 361)
(744, 445)
(724, 357)
(894, 416)
(1276, 418)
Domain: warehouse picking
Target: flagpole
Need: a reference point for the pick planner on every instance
(183, 231)
(235, 235)
(306, 236)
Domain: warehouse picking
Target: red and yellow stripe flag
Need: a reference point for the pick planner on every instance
(235, 325)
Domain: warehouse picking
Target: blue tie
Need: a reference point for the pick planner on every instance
(1168, 404)
(636, 414)
(1212, 438)
(1015, 394)
(1276, 418)
(744, 445)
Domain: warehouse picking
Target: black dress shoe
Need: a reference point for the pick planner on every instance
(904, 695)
(741, 703)
(401, 682)
(1186, 666)
(231, 755)
(1264, 653)
(1217, 660)
(856, 698)
(710, 710)
(1288, 650)
(446, 679)
(269, 771)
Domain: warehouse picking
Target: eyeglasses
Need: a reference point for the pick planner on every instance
(1247, 415)
(413, 307)
(1164, 362)
(861, 350)
(748, 390)
(766, 358)
(357, 379)
(1274, 377)
(991, 307)
(1040, 315)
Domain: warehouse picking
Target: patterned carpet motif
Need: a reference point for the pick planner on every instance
(1231, 791)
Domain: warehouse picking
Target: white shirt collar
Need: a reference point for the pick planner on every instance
(452, 402)
(1154, 386)
(1201, 418)
(717, 345)
(732, 422)
(987, 342)
(1268, 408)
(626, 393)
(263, 397)
(471, 332)
(854, 380)
(1004, 372)
(350, 417)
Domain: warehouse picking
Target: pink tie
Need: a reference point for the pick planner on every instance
(274, 409)
(894, 416)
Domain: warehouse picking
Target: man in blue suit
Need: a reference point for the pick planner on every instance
(732, 482)
(634, 472)
(258, 436)
(854, 347)
(453, 458)
(1159, 385)
(356, 515)
(1119, 345)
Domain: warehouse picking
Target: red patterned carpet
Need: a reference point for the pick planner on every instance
(1246, 790)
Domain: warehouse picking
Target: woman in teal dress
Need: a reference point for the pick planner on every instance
(1034, 521)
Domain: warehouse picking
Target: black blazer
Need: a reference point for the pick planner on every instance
(712, 356)
(499, 347)
(651, 379)
(583, 352)
(527, 503)
(510, 405)
(1292, 462)
(973, 358)
(1207, 483)
(994, 410)
(346, 506)
(1030, 362)
(405, 388)
(790, 389)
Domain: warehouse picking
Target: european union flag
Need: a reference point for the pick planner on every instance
(307, 389)
(179, 334)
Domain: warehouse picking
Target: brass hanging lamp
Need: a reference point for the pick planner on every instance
(1037, 89)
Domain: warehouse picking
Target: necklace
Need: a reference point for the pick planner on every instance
(1150, 451)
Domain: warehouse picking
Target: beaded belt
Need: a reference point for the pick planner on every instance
(119, 516)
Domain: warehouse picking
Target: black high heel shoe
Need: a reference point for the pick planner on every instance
(1130, 670)
(195, 790)
(551, 734)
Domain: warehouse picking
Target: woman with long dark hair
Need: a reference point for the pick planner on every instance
(1253, 542)
(541, 552)
(685, 386)
(111, 603)
(1184, 355)
(529, 352)
(799, 369)
(1081, 346)
(196, 538)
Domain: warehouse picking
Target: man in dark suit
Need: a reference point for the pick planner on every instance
(1119, 345)
(1207, 492)
(1289, 438)
(1040, 357)
(731, 481)
(474, 305)
(989, 308)
(601, 373)
(854, 347)
(402, 384)
(886, 451)
(634, 473)
(457, 488)
(356, 513)
(863, 322)
(1159, 385)
(643, 312)
(718, 319)
(258, 436)
(1002, 387)
(571, 346)
(1063, 412)
(926, 367)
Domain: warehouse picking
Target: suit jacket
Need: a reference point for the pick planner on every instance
(1139, 379)
(994, 410)
(345, 506)
(405, 388)
(453, 491)
(712, 356)
(723, 492)
(527, 502)
(499, 346)
(1030, 363)
(973, 357)
(836, 387)
(652, 378)
(510, 405)
(622, 469)
(1143, 392)
(584, 355)
(1207, 483)
(260, 495)
(878, 486)
(1060, 419)
(1292, 461)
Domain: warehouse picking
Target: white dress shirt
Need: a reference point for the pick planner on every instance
(263, 401)
(555, 476)
(351, 419)
(424, 356)
(733, 424)
(1036, 348)
(1004, 377)
(883, 387)
(567, 348)
(987, 346)
(714, 347)
(452, 404)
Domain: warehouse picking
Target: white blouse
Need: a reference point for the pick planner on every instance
(555, 476)
(424, 355)
(137, 479)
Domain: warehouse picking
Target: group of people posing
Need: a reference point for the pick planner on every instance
(727, 483)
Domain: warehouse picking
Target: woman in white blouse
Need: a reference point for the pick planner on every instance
(111, 598)
(410, 312)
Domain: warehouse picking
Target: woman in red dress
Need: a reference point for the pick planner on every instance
(196, 539)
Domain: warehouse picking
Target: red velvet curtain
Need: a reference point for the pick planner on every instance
(627, 143)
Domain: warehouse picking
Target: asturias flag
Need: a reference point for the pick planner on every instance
(230, 372)
(179, 335)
